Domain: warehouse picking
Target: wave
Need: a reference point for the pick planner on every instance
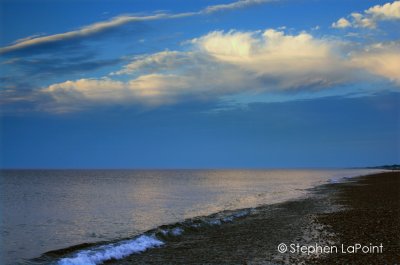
(112, 251)
(344, 178)
(98, 254)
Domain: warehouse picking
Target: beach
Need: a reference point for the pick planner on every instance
(371, 215)
(362, 211)
(338, 217)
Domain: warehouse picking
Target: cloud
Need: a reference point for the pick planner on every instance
(153, 85)
(388, 11)
(360, 21)
(51, 67)
(234, 5)
(382, 59)
(28, 38)
(107, 90)
(25, 74)
(216, 65)
(99, 27)
(155, 62)
(371, 16)
(220, 64)
(341, 23)
(77, 34)
(292, 61)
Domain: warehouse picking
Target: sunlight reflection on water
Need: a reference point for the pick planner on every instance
(44, 210)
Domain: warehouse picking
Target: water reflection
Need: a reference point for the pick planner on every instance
(45, 210)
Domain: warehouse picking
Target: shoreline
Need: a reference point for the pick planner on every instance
(370, 215)
(319, 219)
(253, 238)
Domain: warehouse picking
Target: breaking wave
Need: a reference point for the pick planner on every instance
(99, 254)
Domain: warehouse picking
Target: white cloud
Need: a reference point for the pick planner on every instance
(154, 84)
(28, 38)
(80, 33)
(360, 21)
(116, 22)
(151, 89)
(388, 11)
(341, 23)
(234, 5)
(228, 63)
(217, 64)
(155, 62)
(381, 59)
(370, 17)
(292, 61)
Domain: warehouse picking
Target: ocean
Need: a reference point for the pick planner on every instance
(94, 216)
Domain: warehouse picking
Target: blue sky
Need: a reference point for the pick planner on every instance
(199, 84)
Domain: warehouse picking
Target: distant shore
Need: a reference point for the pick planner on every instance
(363, 211)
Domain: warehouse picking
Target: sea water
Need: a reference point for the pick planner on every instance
(44, 210)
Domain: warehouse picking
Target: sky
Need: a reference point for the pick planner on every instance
(199, 84)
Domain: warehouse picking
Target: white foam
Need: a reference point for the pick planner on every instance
(214, 222)
(164, 232)
(227, 219)
(177, 231)
(340, 179)
(334, 180)
(347, 176)
(112, 251)
(241, 214)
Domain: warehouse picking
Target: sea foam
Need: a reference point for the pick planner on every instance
(143, 242)
(112, 251)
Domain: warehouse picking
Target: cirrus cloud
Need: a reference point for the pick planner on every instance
(83, 32)
(113, 23)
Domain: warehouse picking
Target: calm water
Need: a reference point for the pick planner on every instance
(43, 210)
